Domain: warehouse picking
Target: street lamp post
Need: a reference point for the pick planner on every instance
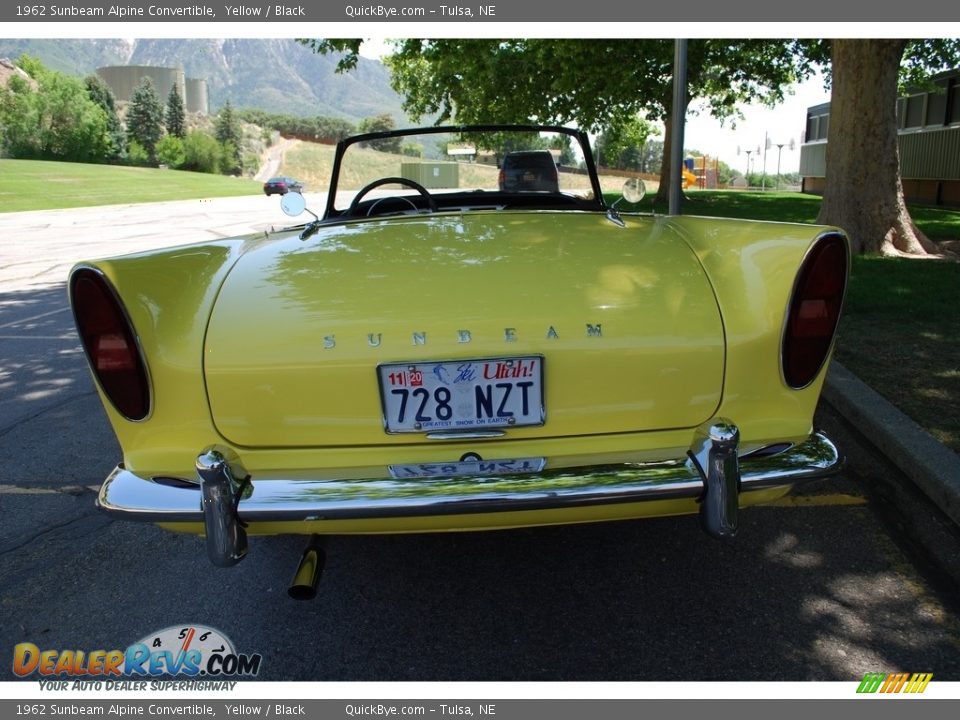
(780, 147)
(766, 146)
(779, 150)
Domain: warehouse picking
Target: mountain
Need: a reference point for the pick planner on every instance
(273, 74)
(74, 57)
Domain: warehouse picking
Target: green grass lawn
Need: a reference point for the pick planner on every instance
(900, 333)
(900, 330)
(937, 223)
(46, 185)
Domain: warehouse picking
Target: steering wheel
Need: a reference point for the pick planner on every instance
(431, 203)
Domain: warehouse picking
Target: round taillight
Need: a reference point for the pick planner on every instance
(110, 343)
(814, 310)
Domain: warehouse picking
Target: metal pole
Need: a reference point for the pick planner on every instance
(766, 145)
(679, 113)
(779, 150)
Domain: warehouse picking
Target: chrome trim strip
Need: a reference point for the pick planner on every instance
(465, 435)
(131, 497)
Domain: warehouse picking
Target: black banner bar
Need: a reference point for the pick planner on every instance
(411, 709)
(471, 11)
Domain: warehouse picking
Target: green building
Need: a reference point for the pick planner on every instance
(928, 138)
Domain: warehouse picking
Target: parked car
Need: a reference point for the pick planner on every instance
(529, 170)
(462, 358)
(282, 185)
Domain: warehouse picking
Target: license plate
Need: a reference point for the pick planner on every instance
(462, 394)
(467, 468)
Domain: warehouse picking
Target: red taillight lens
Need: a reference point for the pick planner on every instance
(814, 311)
(109, 342)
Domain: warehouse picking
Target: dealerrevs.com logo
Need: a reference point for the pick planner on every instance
(194, 652)
(911, 683)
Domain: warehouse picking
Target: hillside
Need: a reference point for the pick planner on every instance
(313, 164)
(278, 75)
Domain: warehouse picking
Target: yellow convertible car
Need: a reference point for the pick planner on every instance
(437, 352)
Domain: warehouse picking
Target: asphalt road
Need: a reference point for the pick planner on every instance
(814, 588)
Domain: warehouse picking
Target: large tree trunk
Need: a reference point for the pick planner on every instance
(863, 193)
(663, 192)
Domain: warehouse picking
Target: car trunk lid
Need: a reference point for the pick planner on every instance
(623, 320)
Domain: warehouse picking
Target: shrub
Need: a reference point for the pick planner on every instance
(170, 151)
(136, 154)
(201, 152)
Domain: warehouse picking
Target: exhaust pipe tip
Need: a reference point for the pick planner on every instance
(307, 577)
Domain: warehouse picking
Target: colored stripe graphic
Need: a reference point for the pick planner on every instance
(895, 682)
(918, 683)
(871, 682)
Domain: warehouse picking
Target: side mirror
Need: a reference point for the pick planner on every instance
(634, 190)
(293, 204)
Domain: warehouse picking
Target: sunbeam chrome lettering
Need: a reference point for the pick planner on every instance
(462, 337)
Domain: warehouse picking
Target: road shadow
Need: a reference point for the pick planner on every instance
(50, 416)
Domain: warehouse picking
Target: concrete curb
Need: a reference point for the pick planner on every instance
(934, 468)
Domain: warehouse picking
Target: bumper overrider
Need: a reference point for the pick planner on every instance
(713, 473)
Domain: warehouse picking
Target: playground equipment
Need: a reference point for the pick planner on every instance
(701, 172)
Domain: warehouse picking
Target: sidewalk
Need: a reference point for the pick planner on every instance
(880, 440)
(933, 467)
(274, 160)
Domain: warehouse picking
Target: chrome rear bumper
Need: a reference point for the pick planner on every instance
(712, 473)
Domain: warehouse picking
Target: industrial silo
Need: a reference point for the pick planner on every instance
(123, 79)
(195, 98)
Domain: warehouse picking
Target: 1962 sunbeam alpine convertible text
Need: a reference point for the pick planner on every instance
(442, 351)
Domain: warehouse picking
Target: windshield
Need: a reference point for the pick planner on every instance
(473, 164)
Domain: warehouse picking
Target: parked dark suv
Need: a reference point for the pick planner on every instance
(529, 170)
(282, 185)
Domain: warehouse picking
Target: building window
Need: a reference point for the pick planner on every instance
(953, 99)
(817, 127)
(936, 106)
(914, 115)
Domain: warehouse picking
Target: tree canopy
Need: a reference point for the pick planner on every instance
(174, 119)
(102, 95)
(625, 145)
(605, 84)
(381, 123)
(593, 83)
(230, 136)
(145, 118)
(51, 116)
